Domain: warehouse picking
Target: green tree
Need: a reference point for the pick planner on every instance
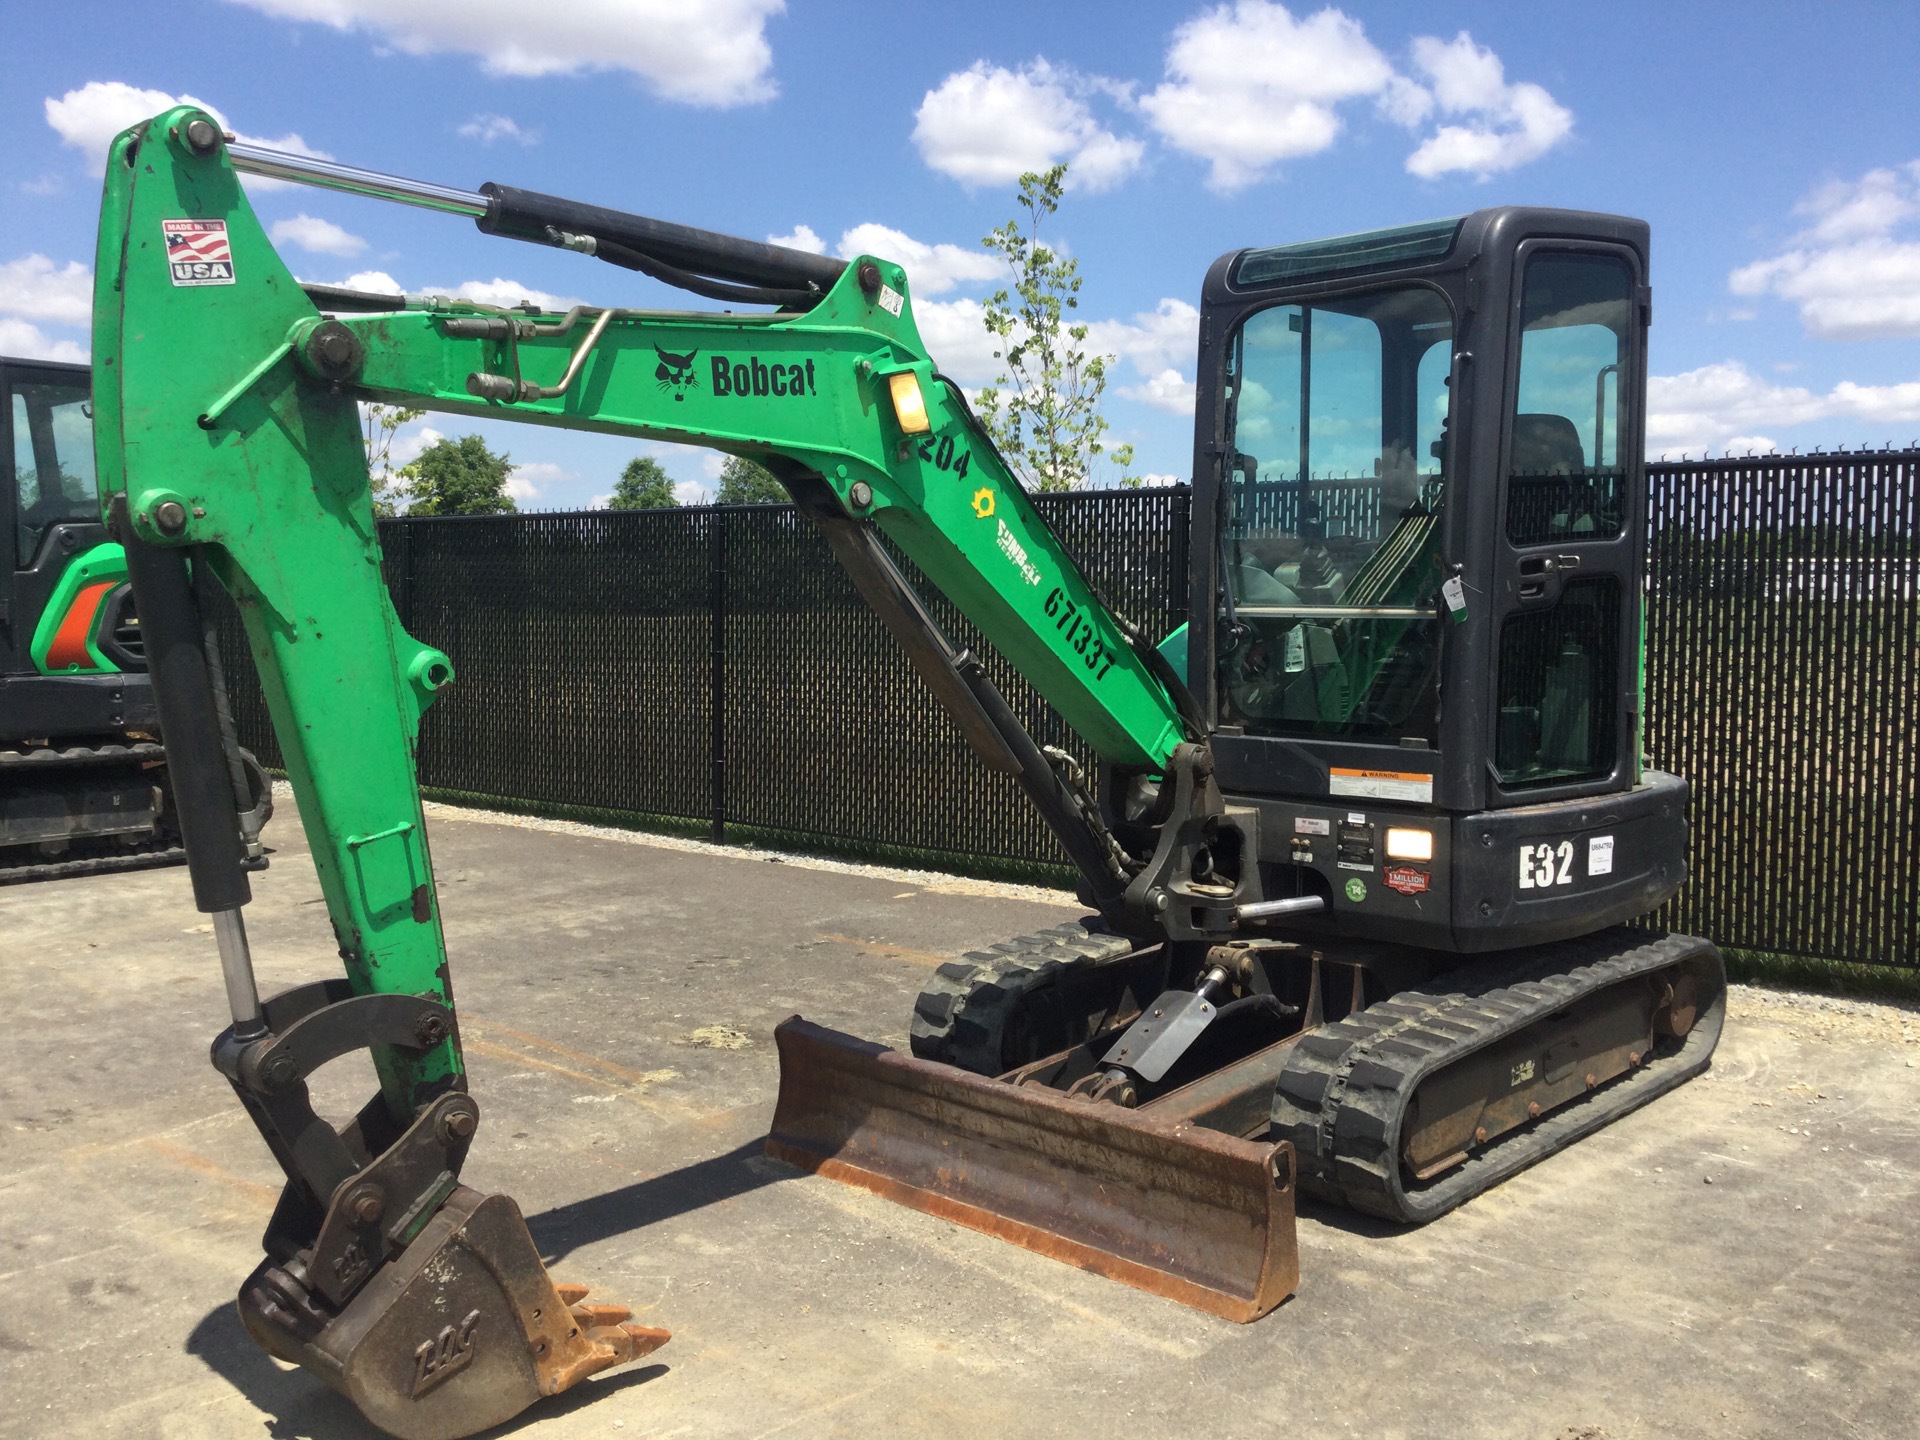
(1044, 409)
(459, 477)
(744, 483)
(388, 482)
(643, 485)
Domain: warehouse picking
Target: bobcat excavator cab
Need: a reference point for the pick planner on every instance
(83, 778)
(1355, 842)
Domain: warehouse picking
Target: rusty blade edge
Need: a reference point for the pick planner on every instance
(832, 1085)
(1274, 1285)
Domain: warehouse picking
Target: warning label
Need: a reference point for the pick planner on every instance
(1381, 784)
(198, 252)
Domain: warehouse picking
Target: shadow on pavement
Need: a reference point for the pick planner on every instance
(565, 1228)
(1338, 1217)
(300, 1407)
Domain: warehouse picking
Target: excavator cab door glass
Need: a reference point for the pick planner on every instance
(1331, 537)
(1569, 501)
(53, 477)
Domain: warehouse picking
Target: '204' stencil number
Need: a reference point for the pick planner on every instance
(1544, 865)
(946, 455)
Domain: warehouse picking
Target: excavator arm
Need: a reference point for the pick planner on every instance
(229, 446)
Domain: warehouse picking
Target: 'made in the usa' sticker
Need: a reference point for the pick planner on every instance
(198, 252)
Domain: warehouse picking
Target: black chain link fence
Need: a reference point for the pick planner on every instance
(714, 669)
(1783, 680)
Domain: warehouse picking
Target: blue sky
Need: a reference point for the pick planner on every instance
(1775, 149)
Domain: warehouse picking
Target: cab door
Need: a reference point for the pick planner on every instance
(1569, 558)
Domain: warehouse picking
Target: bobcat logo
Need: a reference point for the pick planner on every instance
(675, 372)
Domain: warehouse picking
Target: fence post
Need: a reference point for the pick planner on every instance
(717, 697)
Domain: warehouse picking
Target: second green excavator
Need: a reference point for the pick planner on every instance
(1358, 853)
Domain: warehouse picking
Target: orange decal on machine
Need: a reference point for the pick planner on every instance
(69, 648)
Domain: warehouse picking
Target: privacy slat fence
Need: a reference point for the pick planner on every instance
(713, 667)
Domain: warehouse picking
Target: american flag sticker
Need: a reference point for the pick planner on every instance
(198, 252)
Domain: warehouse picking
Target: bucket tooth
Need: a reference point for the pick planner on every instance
(1167, 1207)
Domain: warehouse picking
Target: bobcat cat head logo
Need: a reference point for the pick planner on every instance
(675, 372)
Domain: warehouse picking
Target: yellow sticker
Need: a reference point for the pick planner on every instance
(983, 503)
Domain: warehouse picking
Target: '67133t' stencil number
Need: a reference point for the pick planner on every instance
(1544, 865)
(1072, 623)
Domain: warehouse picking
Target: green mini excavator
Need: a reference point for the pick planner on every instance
(1359, 853)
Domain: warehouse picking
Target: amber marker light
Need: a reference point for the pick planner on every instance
(908, 406)
(1409, 844)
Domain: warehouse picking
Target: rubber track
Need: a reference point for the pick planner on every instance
(147, 855)
(1345, 1091)
(961, 1017)
(93, 865)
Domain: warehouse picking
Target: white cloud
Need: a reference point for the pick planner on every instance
(1726, 405)
(1249, 86)
(956, 335)
(933, 269)
(713, 52)
(489, 128)
(503, 292)
(376, 282)
(27, 342)
(691, 492)
(322, 237)
(89, 118)
(1505, 125)
(987, 125)
(410, 441)
(1159, 344)
(1167, 390)
(801, 237)
(1154, 340)
(34, 288)
(497, 291)
(1851, 275)
(530, 481)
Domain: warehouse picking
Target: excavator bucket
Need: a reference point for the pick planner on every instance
(1168, 1207)
(460, 1332)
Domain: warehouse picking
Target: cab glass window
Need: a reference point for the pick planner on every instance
(52, 460)
(1566, 479)
(1330, 561)
(1558, 689)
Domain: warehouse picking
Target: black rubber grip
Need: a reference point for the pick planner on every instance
(528, 215)
(189, 719)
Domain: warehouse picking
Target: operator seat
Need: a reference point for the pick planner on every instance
(1550, 489)
(1546, 445)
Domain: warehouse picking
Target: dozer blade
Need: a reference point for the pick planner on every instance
(460, 1332)
(1170, 1208)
